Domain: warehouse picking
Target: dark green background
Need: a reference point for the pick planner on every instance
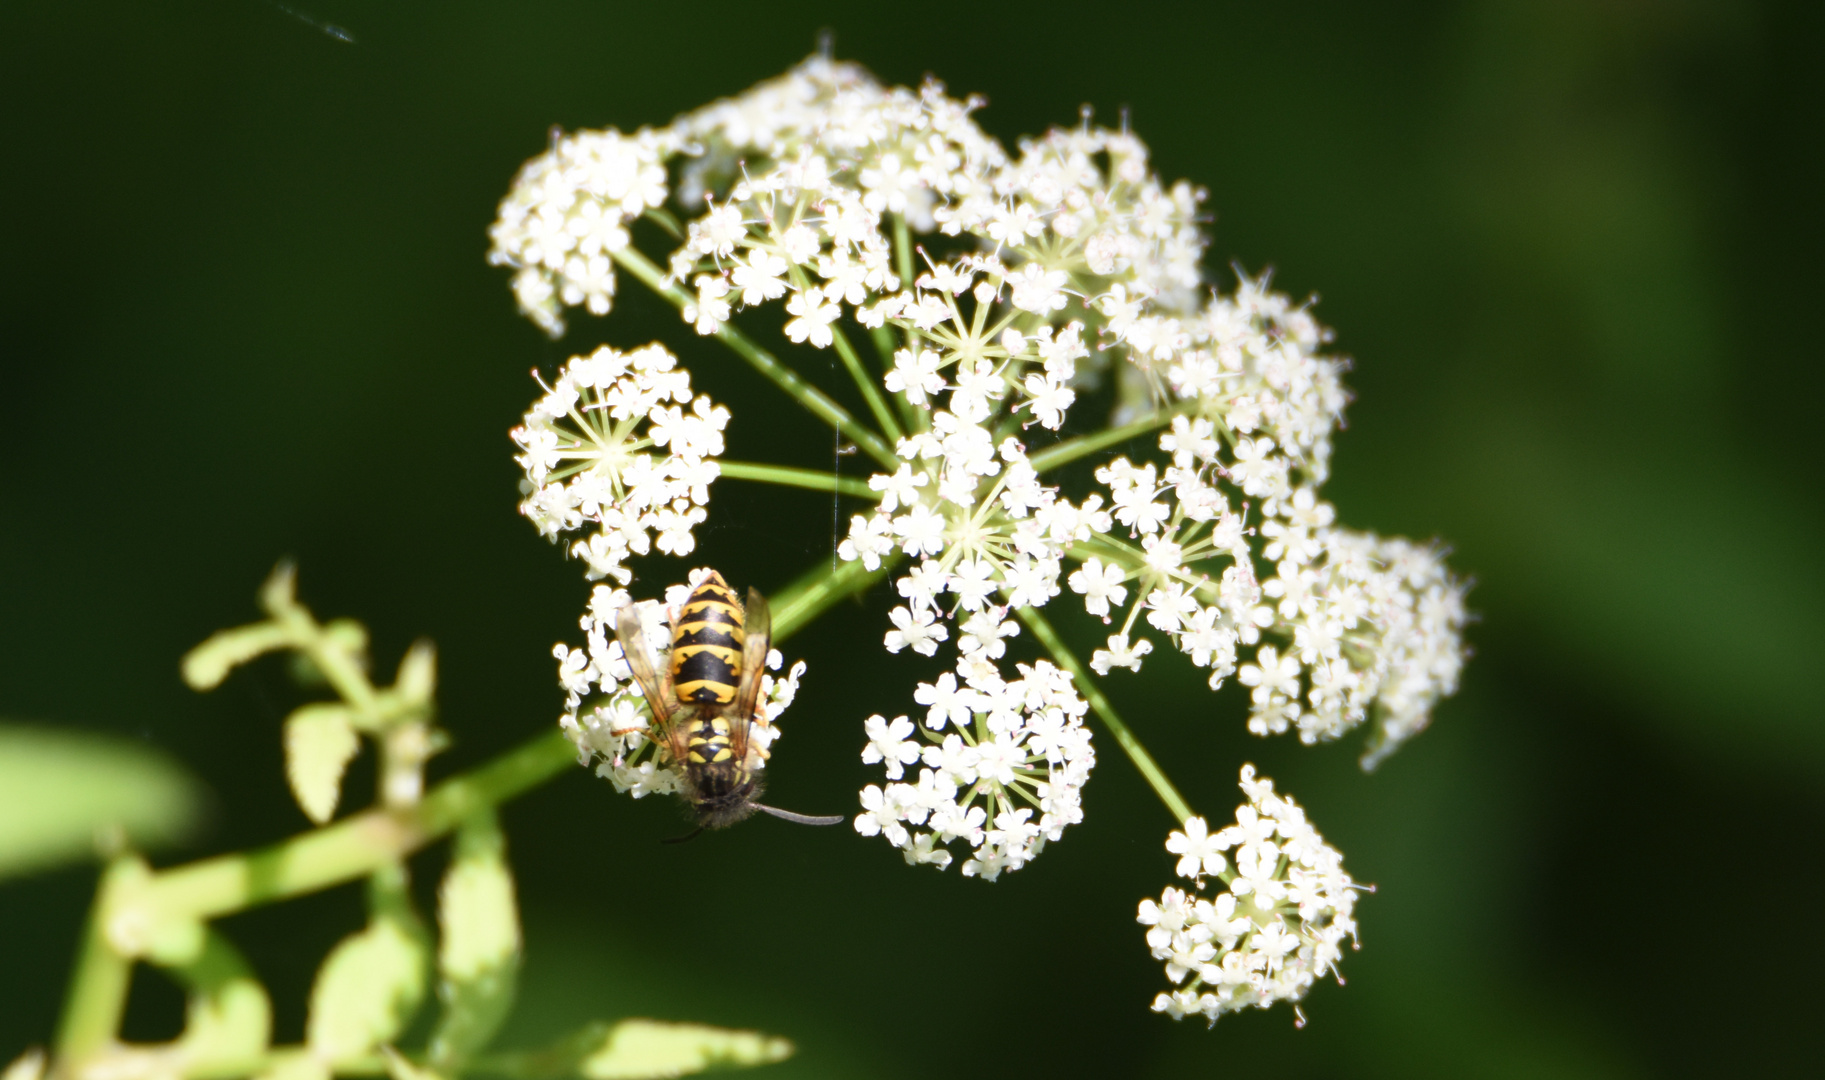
(1574, 248)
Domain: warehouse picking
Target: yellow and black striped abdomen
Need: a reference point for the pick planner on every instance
(707, 643)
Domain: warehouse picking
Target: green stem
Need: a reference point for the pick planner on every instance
(816, 591)
(766, 363)
(98, 989)
(865, 382)
(1137, 753)
(902, 250)
(355, 846)
(804, 478)
(1071, 449)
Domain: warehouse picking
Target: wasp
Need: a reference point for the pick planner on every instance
(704, 704)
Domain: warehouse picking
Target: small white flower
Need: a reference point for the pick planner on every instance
(814, 318)
(1199, 852)
(888, 742)
(1120, 654)
(917, 629)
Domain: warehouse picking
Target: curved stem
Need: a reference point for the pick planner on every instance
(766, 363)
(793, 477)
(355, 846)
(1137, 753)
(97, 996)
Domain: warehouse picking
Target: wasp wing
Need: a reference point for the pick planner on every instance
(632, 635)
(757, 627)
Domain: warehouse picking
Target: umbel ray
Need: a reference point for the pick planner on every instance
(703, 703)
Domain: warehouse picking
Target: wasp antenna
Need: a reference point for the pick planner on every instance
(692, 835)
(802, 819)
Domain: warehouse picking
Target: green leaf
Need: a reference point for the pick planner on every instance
(641, 1049)
(417, 677)
(479, 952)
(400, 1067)
(62, 791)
(228, 1017)
(366, 992)
(319, 744)
(295, 1066)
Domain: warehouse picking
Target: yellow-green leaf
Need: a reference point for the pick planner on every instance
(481, 928)
(295, 1066)
(61, 791)
(228, 1017)
(652, 1049)
(479, 951)
(366, 992)
(417, 677)
(400, 1067)
(319, 743)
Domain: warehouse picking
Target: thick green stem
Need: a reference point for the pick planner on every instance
(1072, 449)
(803, 478)
(1137, 753)
(818, 590)
(766, 363)
(98, 988)
(865, 383)
(358, 845)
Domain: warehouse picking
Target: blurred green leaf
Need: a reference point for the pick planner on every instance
(635, 1049)
(417, 678)
(319, 744)
(400, 1067)
(296, 1066)
(642, 1049)
(62, 792)
(479, 951)
(228, 1017)
(366, 992)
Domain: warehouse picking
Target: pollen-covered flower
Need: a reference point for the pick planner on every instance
(603, 711)
(1277, 927)
(588, 447)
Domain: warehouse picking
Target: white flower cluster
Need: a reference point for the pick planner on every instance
(585, 446)
(567, 214)
(604, 713)
(1002, 291)
(1276, 929)
(992, 753)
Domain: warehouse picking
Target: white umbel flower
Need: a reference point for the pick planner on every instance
(1004, 765)
(1274, 931)
(619, 442)
(567, 215)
